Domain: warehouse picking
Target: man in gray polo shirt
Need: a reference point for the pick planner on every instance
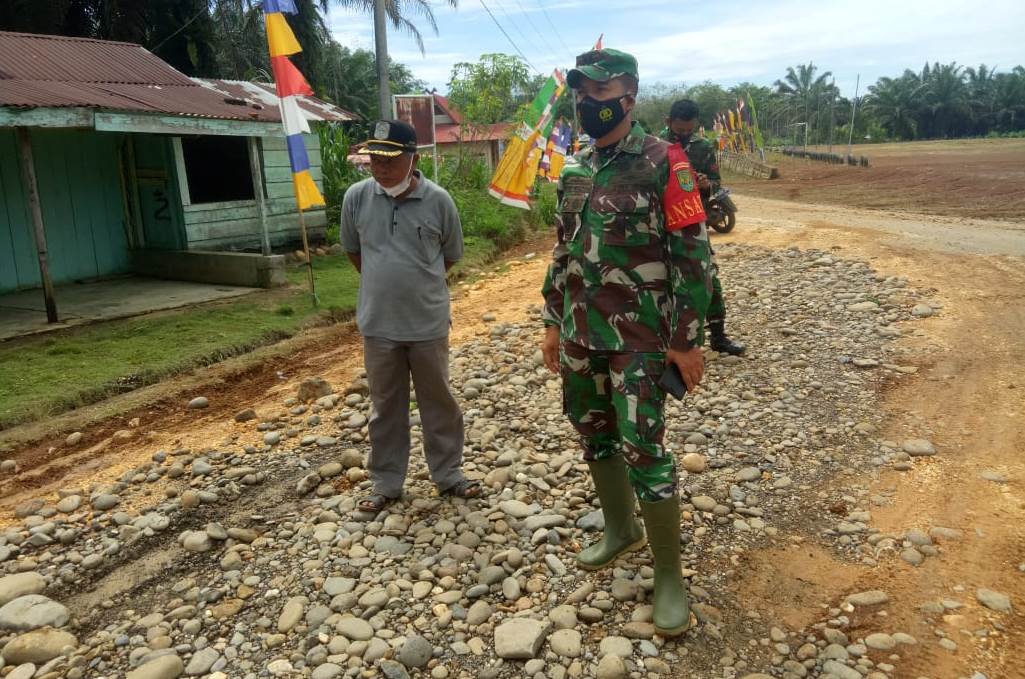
(402, 233)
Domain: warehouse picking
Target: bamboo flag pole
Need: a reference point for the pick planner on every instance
(306, 250)
(289, 84)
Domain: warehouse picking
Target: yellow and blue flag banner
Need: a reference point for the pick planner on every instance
(514, 177)
(289, 84)
(554, 158)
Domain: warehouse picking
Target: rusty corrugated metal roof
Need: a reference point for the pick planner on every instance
(263, 94)
(44, 71)
(28, 56)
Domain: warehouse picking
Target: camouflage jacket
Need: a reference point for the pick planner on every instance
(619, 281)
(701, 153)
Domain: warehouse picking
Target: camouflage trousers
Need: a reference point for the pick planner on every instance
(717, 305)
(614, 402)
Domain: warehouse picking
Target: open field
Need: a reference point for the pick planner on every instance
(982, 178)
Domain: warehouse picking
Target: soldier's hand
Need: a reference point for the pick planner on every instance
(550, 348)
(691, 364)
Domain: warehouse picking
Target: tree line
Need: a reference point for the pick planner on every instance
(939, 102)
(225, 39)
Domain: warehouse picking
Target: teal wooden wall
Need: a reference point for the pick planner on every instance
(18, 267)
(236, 225)
(160, 207)
(80, 194)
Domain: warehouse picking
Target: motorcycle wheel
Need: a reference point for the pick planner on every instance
(726, 224)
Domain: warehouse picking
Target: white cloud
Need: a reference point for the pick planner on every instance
(692, 41)
(878, 36)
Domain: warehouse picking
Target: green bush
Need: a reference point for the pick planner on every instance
(545, 205)
(339, 173)
(484, 216)
(466, 178)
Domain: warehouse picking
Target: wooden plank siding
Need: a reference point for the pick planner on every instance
(236, 225)
(18, 266)
(80, 196)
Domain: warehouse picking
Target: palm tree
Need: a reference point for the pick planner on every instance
(1009, 100)
(398, 12)
(803, 86)
(894, 104)
(945, 98)
(982, 96)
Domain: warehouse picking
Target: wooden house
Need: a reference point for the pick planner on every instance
(113, 162)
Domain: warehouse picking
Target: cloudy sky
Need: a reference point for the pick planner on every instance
(687, 41)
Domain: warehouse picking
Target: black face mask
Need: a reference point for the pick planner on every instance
(598, 118)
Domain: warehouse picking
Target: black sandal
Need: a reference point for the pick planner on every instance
(465, 489)
(374, 503)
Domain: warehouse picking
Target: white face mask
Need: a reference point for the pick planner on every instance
(401, 187)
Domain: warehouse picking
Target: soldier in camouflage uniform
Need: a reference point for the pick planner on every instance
(625, 294)
(681, 127)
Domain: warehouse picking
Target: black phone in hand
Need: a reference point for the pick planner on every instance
(672, 382)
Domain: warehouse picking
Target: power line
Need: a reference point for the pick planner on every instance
(530, 21)
(180, 29)
(555, 30)
(516, 25)
(511, 41)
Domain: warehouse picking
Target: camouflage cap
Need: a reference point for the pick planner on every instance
(602, 65)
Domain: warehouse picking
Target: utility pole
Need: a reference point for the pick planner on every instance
(854, 108)
(832, 121)
(381, 52)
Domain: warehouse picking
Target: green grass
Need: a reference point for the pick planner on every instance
(57, 372)
(335, 280)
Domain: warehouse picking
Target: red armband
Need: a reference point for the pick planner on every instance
(682, 199)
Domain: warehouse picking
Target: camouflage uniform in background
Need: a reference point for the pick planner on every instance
(701, 154)
(624, 290)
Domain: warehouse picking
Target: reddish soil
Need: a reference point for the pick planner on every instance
(983, 178)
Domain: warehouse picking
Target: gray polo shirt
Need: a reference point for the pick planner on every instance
(404, 245)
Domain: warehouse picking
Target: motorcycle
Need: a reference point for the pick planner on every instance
(721, 211)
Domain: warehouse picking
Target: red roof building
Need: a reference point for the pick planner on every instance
(454, 135)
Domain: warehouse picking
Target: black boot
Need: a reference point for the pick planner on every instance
(720, 342)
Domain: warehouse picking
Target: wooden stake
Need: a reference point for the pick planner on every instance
(306, 243)
(28, 173)
(309, 259)
(257, 175)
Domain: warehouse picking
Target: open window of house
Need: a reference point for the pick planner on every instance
(215, 169)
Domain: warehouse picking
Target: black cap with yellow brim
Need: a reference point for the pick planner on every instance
(391, 138)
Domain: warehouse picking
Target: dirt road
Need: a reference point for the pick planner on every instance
(969, 395)
(970, 392)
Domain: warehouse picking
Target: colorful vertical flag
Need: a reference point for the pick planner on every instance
(290, 84)
(759, 142)
(554, 158)
(597, 45)
(516, 171)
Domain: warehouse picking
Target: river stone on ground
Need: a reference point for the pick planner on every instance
(277, 582)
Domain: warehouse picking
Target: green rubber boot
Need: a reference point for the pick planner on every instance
(623, 533)
(672, 605)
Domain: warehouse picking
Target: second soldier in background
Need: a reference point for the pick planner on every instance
(682, 128)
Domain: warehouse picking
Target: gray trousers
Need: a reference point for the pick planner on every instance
(389, 366)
